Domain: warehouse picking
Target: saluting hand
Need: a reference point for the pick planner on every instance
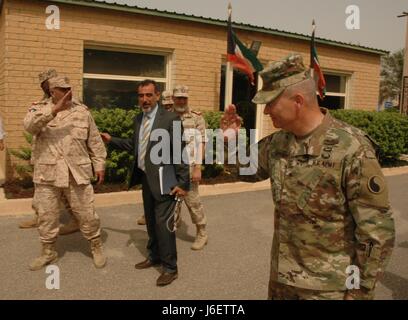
(63, 103)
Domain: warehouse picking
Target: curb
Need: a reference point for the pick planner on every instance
(16, 207)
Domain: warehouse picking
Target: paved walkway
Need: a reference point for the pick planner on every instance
(234, 265)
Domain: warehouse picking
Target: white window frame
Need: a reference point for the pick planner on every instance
(168, 55)
(346, 94)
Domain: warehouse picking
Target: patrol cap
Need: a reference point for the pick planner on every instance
(279, 75)
(167, 98)
(180, 91)
(59, 82)
(47, 74)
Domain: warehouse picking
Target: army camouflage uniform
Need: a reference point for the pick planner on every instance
(66, 148)
(194, 120)
(331, 205)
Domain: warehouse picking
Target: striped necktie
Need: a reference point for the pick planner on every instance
(144, 141)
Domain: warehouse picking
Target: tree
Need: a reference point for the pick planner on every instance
(391, 75)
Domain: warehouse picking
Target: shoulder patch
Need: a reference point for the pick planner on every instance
(374, 191)
(376, 184)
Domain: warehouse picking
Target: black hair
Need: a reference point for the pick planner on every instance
(147, 82)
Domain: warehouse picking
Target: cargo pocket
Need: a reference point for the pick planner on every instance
(80, 131)
(86, 167)
(45, 170)
(320, 195)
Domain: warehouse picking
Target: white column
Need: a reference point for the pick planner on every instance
(259, 115)
(229, 76)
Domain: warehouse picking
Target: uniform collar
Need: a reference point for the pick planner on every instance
(312, 144)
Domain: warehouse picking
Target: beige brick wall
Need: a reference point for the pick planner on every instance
(2, 91)
(197, 54)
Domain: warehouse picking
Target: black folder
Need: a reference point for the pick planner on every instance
(168, 180)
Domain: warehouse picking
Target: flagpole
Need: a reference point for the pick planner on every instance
(311, 56)
(228, 74)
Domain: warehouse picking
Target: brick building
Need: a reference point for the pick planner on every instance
(105, 49)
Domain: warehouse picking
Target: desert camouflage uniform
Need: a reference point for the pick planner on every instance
(331, 208)
(66, 148)
(193, 121)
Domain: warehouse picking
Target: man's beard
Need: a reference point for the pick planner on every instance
(147, 110)
(180, 109)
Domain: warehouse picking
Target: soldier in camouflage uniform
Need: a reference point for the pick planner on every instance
(331, 199)
(194, 129)
(167, 100)
(68, 146)
(73, 224)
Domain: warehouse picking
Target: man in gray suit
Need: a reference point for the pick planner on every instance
(158, 207)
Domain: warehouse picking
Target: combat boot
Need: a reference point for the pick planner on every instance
(98, 257)
(141, 221)
(71, 227)
(33, 223)
(48, 255)
(201, 238)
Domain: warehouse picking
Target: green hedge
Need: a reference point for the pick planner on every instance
(388, 129)
(118, 123)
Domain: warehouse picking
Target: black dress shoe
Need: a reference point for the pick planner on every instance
(146, 264)
(166, 278)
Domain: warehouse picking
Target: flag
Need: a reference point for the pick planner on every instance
(240, 56)
(315, 65)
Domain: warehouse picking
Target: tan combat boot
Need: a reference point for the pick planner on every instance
(201, 238)
(141, 221)
(48, 255)
(71, 227)
(33, 223)
(98, 258)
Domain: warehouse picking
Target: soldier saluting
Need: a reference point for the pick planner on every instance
(67, 151)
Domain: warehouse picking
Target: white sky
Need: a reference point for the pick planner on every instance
(379, 26)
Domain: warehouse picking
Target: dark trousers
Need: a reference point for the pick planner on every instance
(162, 243)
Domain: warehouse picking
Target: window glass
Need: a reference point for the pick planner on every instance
(124, 63)
(105, 93)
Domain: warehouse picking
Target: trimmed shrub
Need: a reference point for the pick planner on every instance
(388, 129)
(118, 123)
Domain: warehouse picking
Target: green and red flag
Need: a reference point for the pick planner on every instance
(315, 66)
(240, 56)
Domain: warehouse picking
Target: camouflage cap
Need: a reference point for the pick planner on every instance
(59, 82)
(279, 75)
(47, 74)
(167, 98)
(180, 91)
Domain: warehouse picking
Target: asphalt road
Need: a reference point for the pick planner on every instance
(234, 264)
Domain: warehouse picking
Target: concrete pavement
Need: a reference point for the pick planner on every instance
(234, 264)
(23, 206)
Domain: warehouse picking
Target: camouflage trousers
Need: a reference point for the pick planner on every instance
(194, 205)
(64, 202)
(47, 199)
(280, 291)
